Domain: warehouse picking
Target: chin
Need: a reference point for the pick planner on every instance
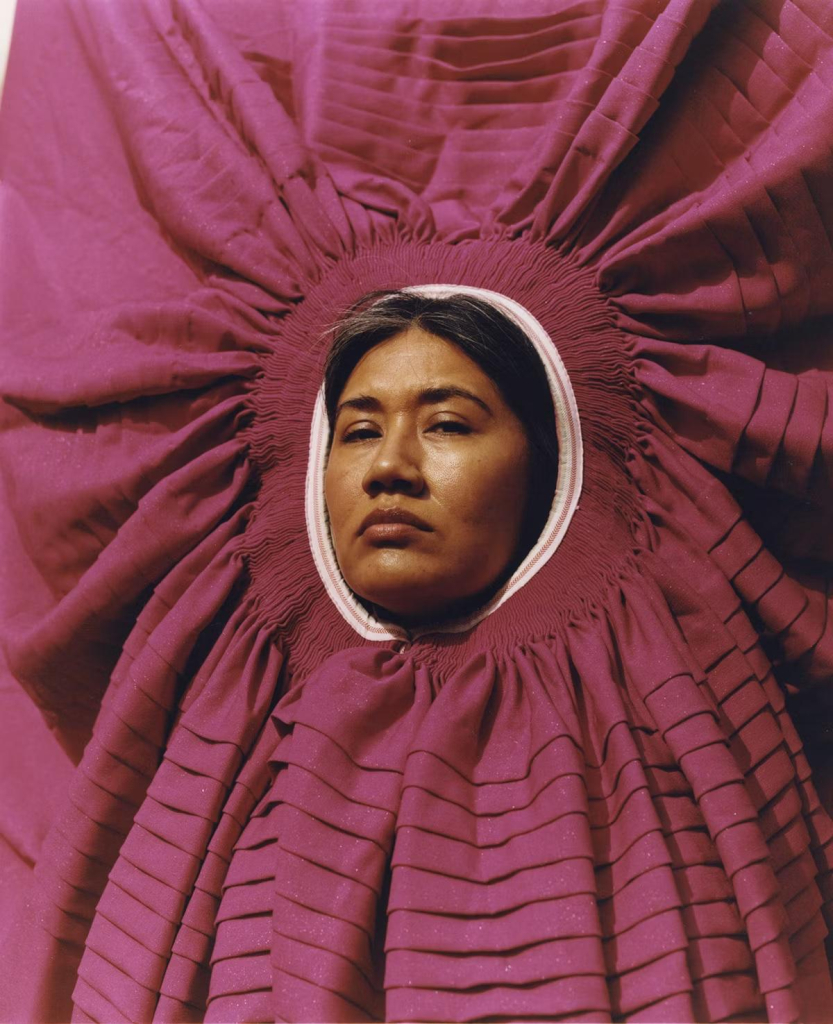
(412, 599)
(406, 595)
(418, 589)
(404, 602)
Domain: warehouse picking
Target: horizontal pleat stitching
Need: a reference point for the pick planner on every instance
(806, 63)
(255, 1005)
(308, 735)
(165, 900)
(246, 987)
(581, 994)
(302, 993)
(182, 994)
(99, 973)
(719, 957)
(441, 893)
(327, 149)
(513, 71)
(179, 842)
(740, 845)
(340, 58)
(530, 964)
(320, 965)
(96, 1006)
(239, 976)
(522, 30)
(329, 866)
(770, 765)
(628, 779)
(456, 778)
(569, 749)
(374, 102)
(727, 104)
(193, 982)
(347, 123)
(457, 101)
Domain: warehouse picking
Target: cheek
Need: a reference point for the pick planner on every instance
(508, 490)
(338, 493)
(490, 490)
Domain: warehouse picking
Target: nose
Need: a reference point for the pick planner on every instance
(396, 466)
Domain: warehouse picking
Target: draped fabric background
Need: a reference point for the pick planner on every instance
(596, 804)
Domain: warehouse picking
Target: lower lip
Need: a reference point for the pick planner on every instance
(380, 532)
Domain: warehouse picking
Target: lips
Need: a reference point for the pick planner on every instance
(395, 516)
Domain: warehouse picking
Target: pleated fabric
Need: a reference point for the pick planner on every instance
(595, 804)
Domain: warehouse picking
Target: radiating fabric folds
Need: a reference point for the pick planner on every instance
(596, 803)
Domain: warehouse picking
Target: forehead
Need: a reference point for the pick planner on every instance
(411, 361)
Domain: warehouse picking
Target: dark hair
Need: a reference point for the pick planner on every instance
(489, 338)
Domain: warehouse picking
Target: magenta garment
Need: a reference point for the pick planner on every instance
(595, 804)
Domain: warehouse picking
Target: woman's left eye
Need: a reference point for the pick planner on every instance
(451, 427)
(360, 434)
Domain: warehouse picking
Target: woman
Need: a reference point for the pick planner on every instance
(436, 407)
(578, 795)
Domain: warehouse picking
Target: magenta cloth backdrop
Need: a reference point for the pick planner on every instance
(595, 804)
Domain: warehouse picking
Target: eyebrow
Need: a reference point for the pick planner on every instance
(430, 396)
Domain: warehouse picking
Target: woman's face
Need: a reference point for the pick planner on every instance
(427, 477)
